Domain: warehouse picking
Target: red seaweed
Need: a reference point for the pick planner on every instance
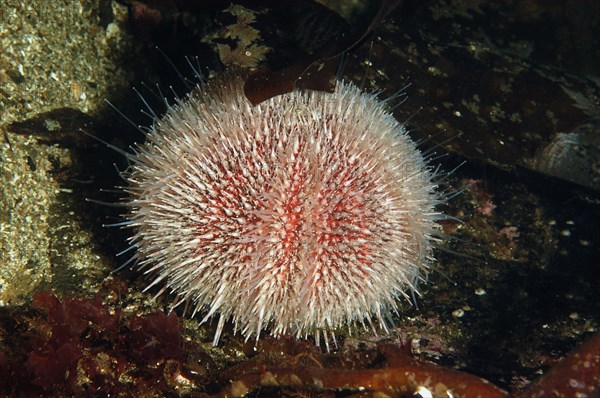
(81, 347)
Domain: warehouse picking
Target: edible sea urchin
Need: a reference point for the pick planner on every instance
(300, 215)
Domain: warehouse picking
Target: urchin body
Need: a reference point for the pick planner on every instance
(306, 213)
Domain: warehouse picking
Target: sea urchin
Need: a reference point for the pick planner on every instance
(308, 212)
